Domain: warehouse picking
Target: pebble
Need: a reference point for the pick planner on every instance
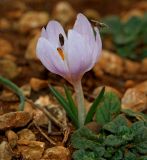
(9, 69)
(31, 150)
(135, 100)
(12, 138)
(26, 134)
(142, 87)
(143, 67)
(38, 84)
(4, 24)
(5, 151)
(110, 63)
(31, 49)
(56, 153)
(64, 12)
(31, 20)
(131, 67)
(14, 120)
(6, 47)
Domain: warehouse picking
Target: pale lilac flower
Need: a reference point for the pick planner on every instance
(72, 55)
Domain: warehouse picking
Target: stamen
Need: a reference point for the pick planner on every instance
(61, 53)
(61, 39)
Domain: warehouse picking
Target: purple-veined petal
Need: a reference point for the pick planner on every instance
(53, 30)
(83, 26)
(78, 54)
(50, 57)
(97, 46)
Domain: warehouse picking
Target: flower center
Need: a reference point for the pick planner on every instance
(61, 53)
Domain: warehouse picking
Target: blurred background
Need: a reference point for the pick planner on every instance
(123, 63)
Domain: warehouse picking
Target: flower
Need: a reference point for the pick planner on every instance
(72, 55)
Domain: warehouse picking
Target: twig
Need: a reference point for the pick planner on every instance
(45, 136)
(44, 110)
(16, 89)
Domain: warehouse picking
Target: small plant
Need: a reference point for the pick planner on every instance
(123, 135)
(70, 57)
(129, 38)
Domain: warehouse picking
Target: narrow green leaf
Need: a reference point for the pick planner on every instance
(65, 104)
(16, 89)
(70, 101)
(93, 108)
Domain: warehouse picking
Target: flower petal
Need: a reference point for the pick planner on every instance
(53, 30)
(50, 58)
(78, 54)
(97, 46)
(83, 26)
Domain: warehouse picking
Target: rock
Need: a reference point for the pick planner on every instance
(135, 100)
(56, 153)
(14, 120)
(9, 69)
(16, 10)
(4, 24)
(31, 49)
(31, 20)
(6, 47)
(110, 63)
(107, 89)
(26, 89)
(5, 151)
(142, 87)
(64, 12)
(40, 118)
(38, 84)
(131, 67)
(91, 14)
(26, 134)
(31, 150)
(129, 84)
(143, 67)
(12, 138)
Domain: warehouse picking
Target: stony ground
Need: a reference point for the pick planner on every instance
(42, 131)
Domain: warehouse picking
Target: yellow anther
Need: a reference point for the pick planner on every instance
(61, 53)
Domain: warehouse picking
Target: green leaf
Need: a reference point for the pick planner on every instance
(112, 141)
(83, 138)
(114, 24)
(86, 155)
(140, 138)
(108, 108)
(16, 89)
(137, 115)
(113, 126)
(70, 101)
(93, 107)
(130, 156)
(65, 104)
(142, 158)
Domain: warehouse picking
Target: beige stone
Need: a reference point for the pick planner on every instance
(14, 120)
(38, 84)
(31, 150)
(135, 100)
(5, 151)
(5, 47)
(12, 138)
(56, 153)
(26, 134)
(31, 20)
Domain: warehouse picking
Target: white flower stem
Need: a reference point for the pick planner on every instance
(80, 103)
